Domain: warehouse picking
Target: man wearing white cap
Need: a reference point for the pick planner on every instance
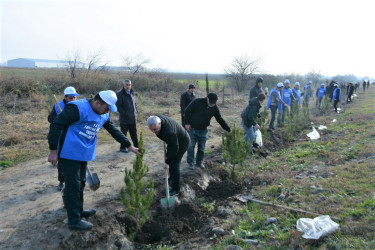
(70, 94)
(273, 102)
(80, 121)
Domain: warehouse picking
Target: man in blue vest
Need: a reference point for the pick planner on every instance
(287, 98)
(320, 93)
(273, 103)
(72, 141)
(70, 94)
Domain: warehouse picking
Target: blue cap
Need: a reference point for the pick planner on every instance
(310, 82)
(296, 84)
(280, 85)
(286, 81)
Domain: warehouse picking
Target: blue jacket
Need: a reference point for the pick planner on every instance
(337, 94)
(287, 96)
(308, 91)
(321, 92)
(82, 134)
(297, 94)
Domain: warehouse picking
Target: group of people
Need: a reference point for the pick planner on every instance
(75, 123)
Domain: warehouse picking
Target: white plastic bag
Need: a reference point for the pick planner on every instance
(258, 138)
(317, 227)
(314, 134)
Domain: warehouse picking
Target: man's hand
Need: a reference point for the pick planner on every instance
(187, 127)
(134, 150)
(286, 105)
(52, 157)
(166, 166)
(257, 127)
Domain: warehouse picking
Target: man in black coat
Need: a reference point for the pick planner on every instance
(186, 98)
(197, 118)
(349, 91)
(127, 108)
(177, 140)
(257, 89)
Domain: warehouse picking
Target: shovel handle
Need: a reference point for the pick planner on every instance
(57, 103)
(166, 172)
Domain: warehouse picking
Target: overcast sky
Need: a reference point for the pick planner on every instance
(292, 36)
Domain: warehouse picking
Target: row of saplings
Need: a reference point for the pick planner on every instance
(137, 195)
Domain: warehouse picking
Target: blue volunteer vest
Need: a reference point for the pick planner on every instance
(287, 96)
(62, 105)
(297, 94)
(80, 139)
(270, 98)
(306, 88)
(321, 92)
(335, 94)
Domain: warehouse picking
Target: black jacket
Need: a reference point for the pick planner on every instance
(255, 91)
(70, 115)
(127, 107)
(198, 114)
(175, 136)
(185, 100)
(251, 112)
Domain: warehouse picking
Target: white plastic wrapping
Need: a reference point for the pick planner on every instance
(314, 135)
(258, 138)
(317, 227)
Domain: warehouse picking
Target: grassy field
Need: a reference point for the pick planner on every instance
(331, 176)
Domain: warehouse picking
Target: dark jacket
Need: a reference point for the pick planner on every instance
(255, 91)
(127, 107)
(70, 115)
(185, 100)
(251, 112)
(52, 115)
(198, 114)
(175, 136)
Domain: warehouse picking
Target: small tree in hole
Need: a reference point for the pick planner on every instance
(137, 195)
(235, 148)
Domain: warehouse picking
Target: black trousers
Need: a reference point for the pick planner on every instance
(132, 128)
(335, 105)
(273, 116)
(75, 180)
(60, 175)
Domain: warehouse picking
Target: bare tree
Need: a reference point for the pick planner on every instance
(136, 63)
(74, 64)
(242, 70)
(315, 76)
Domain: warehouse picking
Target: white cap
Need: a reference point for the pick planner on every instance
(280, 85)
(322, 84)
(70, 91)
(310, 82)
(335, 85)
(109, 97)
(286, 81)
(296, 84)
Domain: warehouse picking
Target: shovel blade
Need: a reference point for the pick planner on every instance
(93, 181)
(167, 203)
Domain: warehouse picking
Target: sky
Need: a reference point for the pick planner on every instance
(290, 36)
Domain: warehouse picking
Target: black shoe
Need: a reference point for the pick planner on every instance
(81, 225)
(60, 186)
(88, 213)
(173, 193)
(124, 150)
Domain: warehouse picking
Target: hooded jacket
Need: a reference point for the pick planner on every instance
(255, 91)
(251, 112)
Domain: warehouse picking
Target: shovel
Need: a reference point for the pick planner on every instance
(167, 202)
(93, 180)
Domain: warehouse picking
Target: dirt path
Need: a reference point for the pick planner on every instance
(31, 209)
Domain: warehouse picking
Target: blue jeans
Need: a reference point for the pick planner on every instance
(249, 135)
(197, 136)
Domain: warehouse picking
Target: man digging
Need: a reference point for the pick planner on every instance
(80, 122)
(177, 140)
